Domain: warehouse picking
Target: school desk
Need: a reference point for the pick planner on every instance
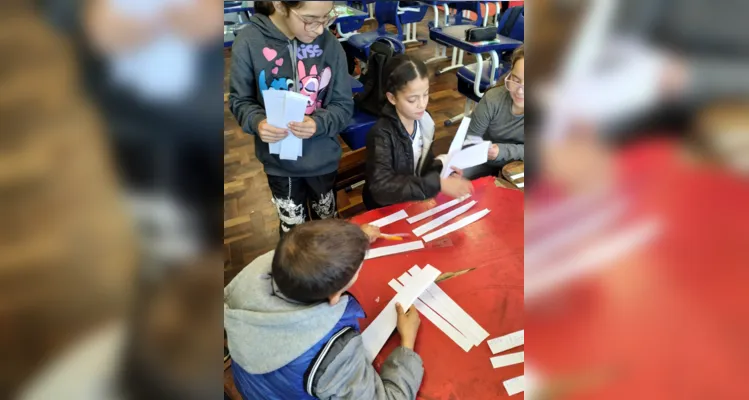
(455, 36)
(484, 266)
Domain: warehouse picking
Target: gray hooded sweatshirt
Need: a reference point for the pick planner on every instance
(266, 332)
(264, 58)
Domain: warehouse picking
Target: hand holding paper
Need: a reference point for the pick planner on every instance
(304, 129)
(493, 151)
(466, 158)
(282, 109)
(461, 158)
(407, 325)
(269, 133)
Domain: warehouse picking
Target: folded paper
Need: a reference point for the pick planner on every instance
(281, 108)
(444, 305)
(469, 157)
(378, 332)
(457, 337)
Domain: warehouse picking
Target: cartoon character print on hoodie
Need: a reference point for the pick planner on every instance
(312, 85)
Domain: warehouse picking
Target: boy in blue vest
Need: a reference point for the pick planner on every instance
(292, 328)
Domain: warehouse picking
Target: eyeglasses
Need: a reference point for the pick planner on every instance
(512, 85)
(311, 26)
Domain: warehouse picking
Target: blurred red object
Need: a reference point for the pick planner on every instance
(668, 319)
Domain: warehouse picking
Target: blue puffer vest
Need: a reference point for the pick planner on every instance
(287, 383)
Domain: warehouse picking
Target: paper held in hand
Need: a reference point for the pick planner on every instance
(282, 107)
(476, 154)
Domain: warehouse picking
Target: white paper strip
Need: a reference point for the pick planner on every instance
(457, 337)
(378, 332)
(389, 219)
(436, 210)
(506, 342)
(442, 219)
(398, 248)
(520, 185)
(509, 359)
(517, 176)
(466, 158)
(457, 144)
(444, 305)
(515, 385)
(455, 226)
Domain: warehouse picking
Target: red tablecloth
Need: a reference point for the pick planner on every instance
(492, 294)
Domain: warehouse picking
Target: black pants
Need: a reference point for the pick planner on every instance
(300, 199)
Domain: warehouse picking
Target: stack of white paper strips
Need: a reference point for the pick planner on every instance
(430, 226)
(437, 222)
(504, 343)
(282, 107)
(417, 287)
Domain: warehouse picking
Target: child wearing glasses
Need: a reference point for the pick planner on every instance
(287, 46)
(499, 118)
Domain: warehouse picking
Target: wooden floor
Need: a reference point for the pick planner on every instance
(250, 221)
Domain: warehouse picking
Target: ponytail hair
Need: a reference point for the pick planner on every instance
(267, 8)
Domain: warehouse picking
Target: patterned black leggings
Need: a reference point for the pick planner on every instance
(301, 199)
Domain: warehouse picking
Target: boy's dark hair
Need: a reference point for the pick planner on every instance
(318, 258)
(266, 7)
(402, 69)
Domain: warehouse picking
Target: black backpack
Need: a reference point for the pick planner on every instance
(372, 98)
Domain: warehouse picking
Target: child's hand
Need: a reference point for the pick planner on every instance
(493, 151)
(304, 129)
(408, 325)
(269, 133)
(455, 187)
(372, 232)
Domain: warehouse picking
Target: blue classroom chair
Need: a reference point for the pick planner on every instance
(386, 12)
(410, 15)
(355, 134)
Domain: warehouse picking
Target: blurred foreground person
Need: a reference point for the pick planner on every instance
(90, 310)
(69, 252)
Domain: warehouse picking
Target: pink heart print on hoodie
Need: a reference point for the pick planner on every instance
(312, 82)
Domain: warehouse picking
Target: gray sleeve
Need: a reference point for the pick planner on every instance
(715, 78)
(508, 152)
(244, 100)
(481, 117)
(348, 376)
(336, 114)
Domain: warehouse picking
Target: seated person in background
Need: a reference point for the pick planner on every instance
(292, 328)
(400, 163)
(499, 118)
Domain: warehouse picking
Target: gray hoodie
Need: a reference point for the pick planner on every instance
(492, 120)
(264, 58)
(266, 332)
